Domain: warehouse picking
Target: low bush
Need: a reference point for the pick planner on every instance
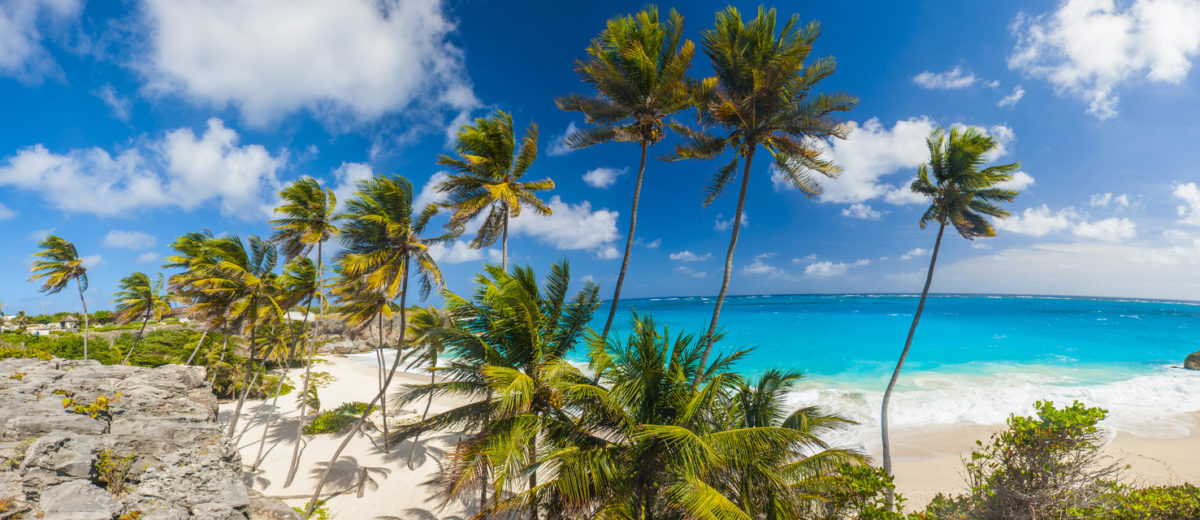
(336, 420)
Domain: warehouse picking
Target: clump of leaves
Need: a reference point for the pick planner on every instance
(320, 513)
(1157, 503)
(18, 375)
(59, 391)
(336, 420)
(132, 515)
(115, 471)
(94, 409)
(859, 493)
(18, 455)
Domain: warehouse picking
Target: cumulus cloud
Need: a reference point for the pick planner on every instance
(120, 106)
(914, 253)
(690, 272)
(760, 267)
(952, 79)
(1092, 48)
(23, 34)
(131, 240)
(1189, 211)
(688, 256)
(182, 170)
(570, 226)
(459, 252)
(269, 58)
(1110, 229)
(828, 269)
(1012, 99)
(1019, 182)
(603, 177)
(1042, 221)
(725, 224)
(861, 211)
(6, 213)
(558, 144)
(148, 257)
(39, 235)
(652, 244)
(92, 261)
(1103, 200)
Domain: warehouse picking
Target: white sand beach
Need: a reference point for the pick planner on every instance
(927, 461)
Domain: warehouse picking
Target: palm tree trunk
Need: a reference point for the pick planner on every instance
(432, 381)
(312, 504)
(637, 193)
(887, 394)
(737, 226)
(383, 403)
(249, 367)
(217, 369)
(85, 318)
(295, 464)
(136, 340)
(533, 505)
(504, 240)
(275, 398)
(198, 343)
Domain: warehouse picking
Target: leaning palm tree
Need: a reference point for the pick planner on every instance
(429, 329)
(489, 179)
(383, 244)
(639, 70)
(308, 220)
(963, 194)
(762, 96)
(191, 257)
(62, 264)
(139, 297)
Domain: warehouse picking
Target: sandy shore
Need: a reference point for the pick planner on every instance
(927, 462)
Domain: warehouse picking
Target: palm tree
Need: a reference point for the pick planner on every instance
(762, 95)
(639, 70)
(507, 346)
(428, 329)
(62, 264)
(242, 282)
(489, 178)
(139, 297)
(963, 194)
(383, 243)
(191, 256)
(309, 220)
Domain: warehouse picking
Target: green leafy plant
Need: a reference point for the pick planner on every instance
(94, 409)
(18, 375)
(333, 421)
(115, 471)
(320, 513)
(18, 455)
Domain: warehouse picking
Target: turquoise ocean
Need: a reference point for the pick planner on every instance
(975, 359)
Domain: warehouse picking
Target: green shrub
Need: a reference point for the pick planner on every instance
(336, 420)
(1152, 503)
(17, 352)
(115, 471)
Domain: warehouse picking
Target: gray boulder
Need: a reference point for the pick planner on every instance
(78, 500)
(1192, 362)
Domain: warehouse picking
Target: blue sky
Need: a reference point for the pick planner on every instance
(128, 123)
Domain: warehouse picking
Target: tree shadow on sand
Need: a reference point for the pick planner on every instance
(348, 473)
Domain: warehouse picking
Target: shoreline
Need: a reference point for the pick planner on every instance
(928, 460)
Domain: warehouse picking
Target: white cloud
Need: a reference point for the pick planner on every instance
(1103, 200)
(22, 25)
(456, 253)
(688, 271)
(92, 261)
(1189, 211)
(181, 171)
(270, 58)
(429, 193)
(914, 253)
(951, 79)
(1091, 48)
(1109, 229)
(726, 224)
(603, 177)
(6, 213)
(861, 211)
(1019, 182)
(119, 106)
(688, 256)
(826, 269)
(39, 235)
(131, 240)
(148, 257)
(570, 226)
(653, 244)
(346, 178)
(558, 144)
(804, 259)
(1012, 99)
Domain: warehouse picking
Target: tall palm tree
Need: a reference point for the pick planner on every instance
(383, 244)
(963, 193)
(489, 179)
(309, 220)
(762, 96)
(190, 258)
(428, 328)
(507, 345)
(639, 70)
(139, 297)
(242, 280)
(62, 264)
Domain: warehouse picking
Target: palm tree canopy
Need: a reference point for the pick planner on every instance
(763, 94)
(639, 70)
(381, 233)
(236, 281)
(308, 217)
(298, 283)
(140, 297)
(489, 169)
(59, 265)
(963, 192)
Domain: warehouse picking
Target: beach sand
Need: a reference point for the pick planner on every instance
(927, 461)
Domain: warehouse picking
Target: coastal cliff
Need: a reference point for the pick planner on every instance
(82, 441)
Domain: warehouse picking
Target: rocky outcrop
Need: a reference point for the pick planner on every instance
(65, 427)
(1192, 362)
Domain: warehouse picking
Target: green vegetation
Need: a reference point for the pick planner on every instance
(115, 471)
(336, 420)
(59, 264)
(95, 409)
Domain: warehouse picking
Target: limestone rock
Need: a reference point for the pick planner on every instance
(1192, 362)
(78, 500)
(264, 508)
